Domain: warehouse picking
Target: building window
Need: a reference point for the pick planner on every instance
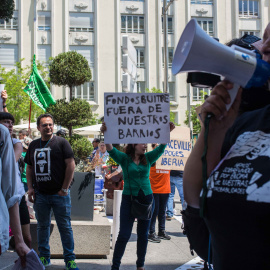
(172, 91)
(85, 91)
(44, 21)
(170, 57)
(199, 93)
(81, 22)
(204, 2)
(169, 24)
(86, 51)
(248, 8)
(141, 87)
(44, 53)
(12, 24)
(132, 24)
(253, 33)
(140, 57)
(206, 25)
(8, 55)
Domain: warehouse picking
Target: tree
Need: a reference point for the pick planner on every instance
(69, 69)
(155, 90)
(7, 9)
(18, 101)
(77, 112)
(194, 117)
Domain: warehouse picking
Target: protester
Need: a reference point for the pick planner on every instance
(7, 120)
(61, 133)
(25, 144)
(237, 200)
(95, 143)
(4, 97)
(49, 172)
(9, 198)
(176, 180)
(100, 159)
(136, 165)
(160, 184)
(23, 134)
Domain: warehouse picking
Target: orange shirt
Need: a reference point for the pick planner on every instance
(160, 180)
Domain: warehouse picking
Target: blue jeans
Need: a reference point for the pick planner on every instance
(160, 211)
(177, 182)
(126, 224)
(61, 206)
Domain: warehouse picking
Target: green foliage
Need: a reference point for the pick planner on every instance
(193, 115)
(194, 119)
(69, 69)
(6, 9)
(81, 146)
(18, 102)
(156, 91)
(77, 112)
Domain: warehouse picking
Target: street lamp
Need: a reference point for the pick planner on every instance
(166, 5)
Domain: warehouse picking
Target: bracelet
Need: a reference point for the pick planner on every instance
(4, 106)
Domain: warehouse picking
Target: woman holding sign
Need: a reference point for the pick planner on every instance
(136, 164)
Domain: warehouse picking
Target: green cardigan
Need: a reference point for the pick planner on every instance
(136, 177)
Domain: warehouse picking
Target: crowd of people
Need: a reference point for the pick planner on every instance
(231, 188)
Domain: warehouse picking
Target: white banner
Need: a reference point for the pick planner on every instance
(137, 118)
(177, 150)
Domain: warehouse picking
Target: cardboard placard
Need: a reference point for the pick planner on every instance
(137, 117)
(177, 150)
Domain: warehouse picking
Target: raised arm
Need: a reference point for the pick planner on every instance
(103, 129)
(219, 124)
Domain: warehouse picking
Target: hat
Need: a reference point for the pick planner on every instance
(96, 140)
(61, 132)
(26, 142)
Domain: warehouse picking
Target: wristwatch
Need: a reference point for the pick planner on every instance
(65, 190)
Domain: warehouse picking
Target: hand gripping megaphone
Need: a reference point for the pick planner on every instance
(198, 52)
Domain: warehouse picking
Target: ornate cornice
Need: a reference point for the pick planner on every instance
(202, 11)
(81, 5)
(6, 36)
(81, 38)
(132, 8)
(134, 40)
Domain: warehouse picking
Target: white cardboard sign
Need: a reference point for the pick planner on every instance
(137, 117)
(177, 150)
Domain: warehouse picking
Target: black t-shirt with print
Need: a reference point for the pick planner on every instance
(48, 163)
(238, 198)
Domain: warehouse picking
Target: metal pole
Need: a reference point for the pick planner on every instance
(116, 215)
(165, 46)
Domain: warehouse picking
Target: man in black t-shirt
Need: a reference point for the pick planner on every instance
(49, 173)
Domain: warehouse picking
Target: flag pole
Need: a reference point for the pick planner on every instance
(30, 110)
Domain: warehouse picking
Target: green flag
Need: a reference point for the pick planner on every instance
(38, 90)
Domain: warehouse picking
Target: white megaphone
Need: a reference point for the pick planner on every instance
(198, 52)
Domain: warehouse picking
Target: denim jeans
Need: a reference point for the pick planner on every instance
(61, 206)
(177, 182)
(126, 224)
(160, 212)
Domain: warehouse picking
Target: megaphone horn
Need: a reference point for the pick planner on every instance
(198, 52)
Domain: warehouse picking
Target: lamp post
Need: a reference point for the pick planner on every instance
(166, 5)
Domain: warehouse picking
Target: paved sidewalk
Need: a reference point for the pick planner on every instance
(169, 254)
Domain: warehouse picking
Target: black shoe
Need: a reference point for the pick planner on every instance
(163, 235)
(152, 237)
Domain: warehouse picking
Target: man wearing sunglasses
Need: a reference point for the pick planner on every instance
(49, 173)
